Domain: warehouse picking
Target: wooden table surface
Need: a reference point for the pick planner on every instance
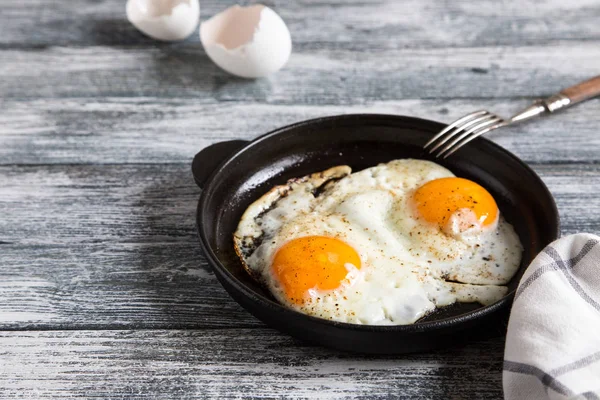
(104, 292)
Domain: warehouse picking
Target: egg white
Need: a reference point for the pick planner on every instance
(408, 267)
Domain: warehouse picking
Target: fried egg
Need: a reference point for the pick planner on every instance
(383, 246)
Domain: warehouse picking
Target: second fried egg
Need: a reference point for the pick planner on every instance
(386, 245)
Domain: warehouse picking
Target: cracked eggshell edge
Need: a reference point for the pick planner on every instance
(177, 25)
(266, 52)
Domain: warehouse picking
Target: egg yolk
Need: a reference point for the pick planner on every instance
(437, 200)
(312, 262)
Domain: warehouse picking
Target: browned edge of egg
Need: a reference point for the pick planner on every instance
(269, 199)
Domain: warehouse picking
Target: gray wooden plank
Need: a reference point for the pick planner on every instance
(235, 363)
(315, 24)
(166, 284)
(119, 248)
(115, 245)
(312, 76)
(158, 130)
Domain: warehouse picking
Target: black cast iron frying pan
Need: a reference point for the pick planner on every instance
(235, 173)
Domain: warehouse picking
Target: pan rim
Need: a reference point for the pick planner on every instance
(416, 327)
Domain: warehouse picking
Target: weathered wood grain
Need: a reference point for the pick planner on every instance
(93, 248)
(157, 130)
(315, 76)
(233, 363)
(358, 24)
(114, 246)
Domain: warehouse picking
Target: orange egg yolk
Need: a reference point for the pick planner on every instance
(312, 262)
(437, 200)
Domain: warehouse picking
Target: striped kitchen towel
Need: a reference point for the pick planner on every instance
(553, 340)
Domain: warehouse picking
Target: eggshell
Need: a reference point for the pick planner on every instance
(166, 20)
(250, 42)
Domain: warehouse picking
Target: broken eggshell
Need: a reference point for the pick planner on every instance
(167, 20)
(250, 42)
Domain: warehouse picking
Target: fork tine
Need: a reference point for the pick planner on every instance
(475, 135)
(490, 121)
(457, 130)
(453, 125)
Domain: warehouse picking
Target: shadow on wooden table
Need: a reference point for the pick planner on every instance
(114, 32)
(183, 291)
(182, 67)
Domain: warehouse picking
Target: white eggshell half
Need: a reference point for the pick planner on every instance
(250, 42)
(166, 20)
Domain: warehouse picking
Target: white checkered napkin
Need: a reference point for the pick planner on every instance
(553, 340)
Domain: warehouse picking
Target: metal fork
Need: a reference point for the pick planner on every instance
(473, 125)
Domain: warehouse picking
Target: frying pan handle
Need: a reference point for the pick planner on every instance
(210, 157)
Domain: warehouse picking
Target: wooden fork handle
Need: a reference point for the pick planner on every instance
(583, 91)
(575, 94)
